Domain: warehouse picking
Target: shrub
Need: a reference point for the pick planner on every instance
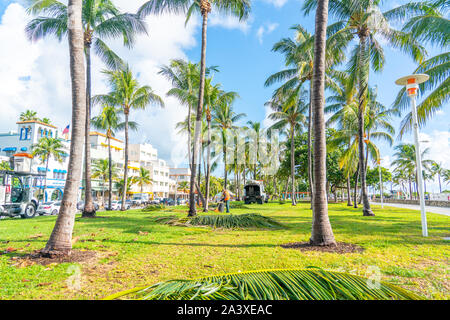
(153, 207)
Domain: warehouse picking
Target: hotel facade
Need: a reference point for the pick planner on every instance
(16, 148)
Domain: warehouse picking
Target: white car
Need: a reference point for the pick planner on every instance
(115, 205)
(51, 207)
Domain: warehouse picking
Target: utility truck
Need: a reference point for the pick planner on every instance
(254, 193)
(17, 190)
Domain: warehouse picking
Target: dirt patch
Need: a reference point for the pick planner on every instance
(38, 258)
(340, 247)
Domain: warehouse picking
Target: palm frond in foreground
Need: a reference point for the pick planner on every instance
(249, 220)
(282, 284)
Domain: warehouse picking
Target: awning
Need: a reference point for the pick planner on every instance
(10, 149)
(24, 149)
(42, 169)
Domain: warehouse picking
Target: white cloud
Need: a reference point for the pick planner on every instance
(276, 3)
(267, 29)
(36, 75)
(229, 22)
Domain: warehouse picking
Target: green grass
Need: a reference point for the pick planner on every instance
(135, 250)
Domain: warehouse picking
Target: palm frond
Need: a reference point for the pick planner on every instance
(280, 284)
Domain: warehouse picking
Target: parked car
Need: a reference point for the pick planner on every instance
(80, 206)
(140, 199)
(51, 207)
(155, 201)
(115, 205)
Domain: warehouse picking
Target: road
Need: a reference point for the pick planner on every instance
(438, 210)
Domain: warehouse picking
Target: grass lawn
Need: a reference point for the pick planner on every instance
(134, 250)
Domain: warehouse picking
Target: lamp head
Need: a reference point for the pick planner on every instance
(412, 83)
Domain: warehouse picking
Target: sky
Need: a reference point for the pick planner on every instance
(36, 75)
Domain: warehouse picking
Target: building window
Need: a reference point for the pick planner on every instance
(22, 134)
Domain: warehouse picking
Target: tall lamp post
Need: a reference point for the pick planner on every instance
(412, 86)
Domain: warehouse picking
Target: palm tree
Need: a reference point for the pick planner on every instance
(60, 241)
(254, 143)
(110, 121)
(120, 187)
(224, 120)
(4, 165)
(101, 20)
(321, 233)
(290, 112)
(46, 121)
(213, 96)
(129, 95)
(104, 170)
(240, 8)
(45, 149)
(405, 160)
(431, 27)
(363, 19)
(143, 178)
(299, 60)
(437, 169)
(28, 115)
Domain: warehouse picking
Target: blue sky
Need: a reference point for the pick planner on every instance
(243, 54)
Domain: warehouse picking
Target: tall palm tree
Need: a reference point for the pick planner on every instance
(28, 115)
(101, 20)
(240, 8)
(254, 143)
(143, 178)
(290, 112)
(213, 96)
(299, 60)
(364, 20)
(321, 233)
(109, 120)
(60, 241)
(45, 149)
(224, 120)
(129, 95)
(104, 170)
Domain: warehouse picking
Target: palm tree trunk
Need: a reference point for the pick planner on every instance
(125, 170)
(355, 202)
(293, 166)
(109, 174)
(310, 129)
(208, 163)
(225, 173)
(363, 85)
(439, 178)
(349, 199)
(410, 189)
(321, 233)
(45, 179)
(198, 123)
(89, 209)
(60, 241)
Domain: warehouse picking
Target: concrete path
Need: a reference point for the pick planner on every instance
(438, 210)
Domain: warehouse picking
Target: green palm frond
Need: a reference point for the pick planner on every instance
(250, 220)
(280, 284)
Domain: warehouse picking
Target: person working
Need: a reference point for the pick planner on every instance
(226, 198)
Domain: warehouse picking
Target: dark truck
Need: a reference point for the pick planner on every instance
(254, 193)
(17, 191)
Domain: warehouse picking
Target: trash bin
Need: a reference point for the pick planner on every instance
(221, 207)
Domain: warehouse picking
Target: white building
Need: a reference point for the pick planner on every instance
(147, 157)
(17, 145)
(181, 176)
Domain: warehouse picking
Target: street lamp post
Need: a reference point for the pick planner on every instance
(412, 86)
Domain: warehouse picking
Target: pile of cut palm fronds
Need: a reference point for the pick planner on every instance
(248, 220)
(153, 207)
(283, 284)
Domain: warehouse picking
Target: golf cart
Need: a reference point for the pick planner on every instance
(254, 193)
(17, 193)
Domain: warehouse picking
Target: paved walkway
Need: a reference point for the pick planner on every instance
(438, 210)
